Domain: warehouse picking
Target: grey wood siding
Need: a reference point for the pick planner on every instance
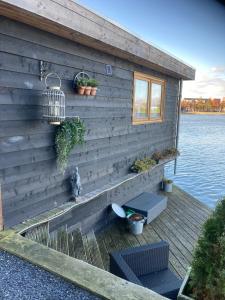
(30, 181)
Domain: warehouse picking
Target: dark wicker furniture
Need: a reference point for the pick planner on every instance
(147, 266)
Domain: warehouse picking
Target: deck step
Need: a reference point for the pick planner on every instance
(76, 245)
(92, 250)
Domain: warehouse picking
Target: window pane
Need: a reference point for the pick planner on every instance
(141, 99)
(156, 96)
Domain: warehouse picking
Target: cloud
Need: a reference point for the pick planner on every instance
(208, 83)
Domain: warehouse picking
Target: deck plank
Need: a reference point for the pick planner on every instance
(194, 201)
(103, 250)
(180, 224)
(94, 250)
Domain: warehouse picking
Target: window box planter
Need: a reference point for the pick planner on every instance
(84, 85)
(181, 294)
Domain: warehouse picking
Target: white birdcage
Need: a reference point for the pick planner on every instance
(54, 102)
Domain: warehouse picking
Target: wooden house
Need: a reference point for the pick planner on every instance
(134, 113)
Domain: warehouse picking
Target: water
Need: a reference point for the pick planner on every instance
(201, 166)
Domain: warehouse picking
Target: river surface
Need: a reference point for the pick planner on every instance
(201, 165)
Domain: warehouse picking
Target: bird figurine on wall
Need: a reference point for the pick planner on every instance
(76, 184)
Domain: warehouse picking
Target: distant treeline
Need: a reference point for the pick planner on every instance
(203, 105)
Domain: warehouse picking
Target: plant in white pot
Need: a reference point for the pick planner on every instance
(206, 278)
(168, 185)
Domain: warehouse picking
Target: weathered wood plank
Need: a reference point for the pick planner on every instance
(76, 247)
(202, 207)
(103, 251)
(94, 250)
(63, 64)
(1, 209)
(183, 223)
(197, 214)
(194, 224)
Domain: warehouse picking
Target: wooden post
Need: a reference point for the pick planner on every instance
(1, 210)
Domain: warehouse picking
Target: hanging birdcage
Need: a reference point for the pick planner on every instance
(54, 102)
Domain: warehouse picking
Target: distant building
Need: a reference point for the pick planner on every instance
(202, 105)
(215, 105)
(223, 105)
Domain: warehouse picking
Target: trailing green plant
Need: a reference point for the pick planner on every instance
(141, 165)
(69, 133)
(207, 277)
(82, 82)
(92, 82)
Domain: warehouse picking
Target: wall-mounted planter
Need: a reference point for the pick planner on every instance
(170, 153)
(181, 294)
(84, 85)
(69, 134)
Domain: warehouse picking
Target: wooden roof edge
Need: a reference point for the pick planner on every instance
(70, 20)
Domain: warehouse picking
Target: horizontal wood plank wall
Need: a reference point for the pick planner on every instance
(31, 183)
(1, 211)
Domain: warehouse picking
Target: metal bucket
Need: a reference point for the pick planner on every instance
(168, 187)
(136, 223)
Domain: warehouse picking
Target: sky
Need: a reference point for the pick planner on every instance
(192, 30)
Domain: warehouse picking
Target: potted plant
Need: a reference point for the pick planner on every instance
(69, 133)
(81, 85)
(170, 152)
(168, 185)
(88, 88)
(142, 165)
(93, 83)
(206, 278)
(157, 156)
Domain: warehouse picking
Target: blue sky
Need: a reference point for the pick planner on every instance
(192, 30)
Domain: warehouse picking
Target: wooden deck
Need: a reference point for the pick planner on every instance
(179, 224)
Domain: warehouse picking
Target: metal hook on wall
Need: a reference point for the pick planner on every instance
(43, 69)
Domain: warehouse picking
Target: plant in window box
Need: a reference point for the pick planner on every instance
(81, 85)
(142, 165)
(170, 152)
(205, 279)
(94, 84)
(68, 135)
(157, 156)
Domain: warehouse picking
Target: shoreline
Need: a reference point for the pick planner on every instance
(203, 113)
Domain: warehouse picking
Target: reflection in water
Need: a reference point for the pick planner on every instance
(201, 166)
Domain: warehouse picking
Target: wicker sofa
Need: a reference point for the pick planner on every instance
(147, 266)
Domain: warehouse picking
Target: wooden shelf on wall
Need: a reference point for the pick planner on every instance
(82, 200)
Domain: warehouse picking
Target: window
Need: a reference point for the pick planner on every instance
(148, 99)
